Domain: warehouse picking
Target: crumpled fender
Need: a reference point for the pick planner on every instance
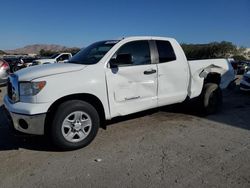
(201, 68)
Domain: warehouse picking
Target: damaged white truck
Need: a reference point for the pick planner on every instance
(70, 101)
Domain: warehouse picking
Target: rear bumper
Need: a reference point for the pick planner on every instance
(244, 86)
(29, 124)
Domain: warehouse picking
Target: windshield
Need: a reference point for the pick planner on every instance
(93, 53)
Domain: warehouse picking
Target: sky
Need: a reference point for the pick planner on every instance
(78, 23)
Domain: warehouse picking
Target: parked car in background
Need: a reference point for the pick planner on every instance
(19, 62)
(56, 58)
(243, 67)
(23, 62)
(4, 72)
(245, 82)
(12, 61)
(27, 61)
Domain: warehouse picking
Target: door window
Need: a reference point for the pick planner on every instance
(139, 51)
(165, 51)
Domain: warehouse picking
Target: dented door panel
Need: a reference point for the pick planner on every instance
(130, 90)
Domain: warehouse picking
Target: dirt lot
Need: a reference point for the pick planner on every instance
(167, 147)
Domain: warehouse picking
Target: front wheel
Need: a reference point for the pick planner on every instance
(75, 125)
(211, 98)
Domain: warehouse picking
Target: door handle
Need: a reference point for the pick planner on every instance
(152, 71)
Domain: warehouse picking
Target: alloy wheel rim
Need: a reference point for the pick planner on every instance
(76, 126)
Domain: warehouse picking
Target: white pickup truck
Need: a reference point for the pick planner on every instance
(70, 101)
(56, 58)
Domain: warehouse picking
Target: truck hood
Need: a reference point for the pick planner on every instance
(39, 71)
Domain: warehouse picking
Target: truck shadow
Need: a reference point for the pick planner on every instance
(234, 112)
(9, 140)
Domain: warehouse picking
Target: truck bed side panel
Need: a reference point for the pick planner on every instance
(200, 68)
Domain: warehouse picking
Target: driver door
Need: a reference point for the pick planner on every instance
(132, 86)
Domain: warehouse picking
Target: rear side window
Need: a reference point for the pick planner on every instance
(166, 51)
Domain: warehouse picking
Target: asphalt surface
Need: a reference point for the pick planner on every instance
(168, 147)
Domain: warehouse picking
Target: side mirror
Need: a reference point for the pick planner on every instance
(121, 59)
(113, 63)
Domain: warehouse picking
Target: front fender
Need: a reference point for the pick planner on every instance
(90, 80)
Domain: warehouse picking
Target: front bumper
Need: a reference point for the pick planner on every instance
(27, 117)
(29, 124)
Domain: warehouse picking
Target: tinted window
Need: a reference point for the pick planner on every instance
(93, 53)
(166, 51)
(139, 50)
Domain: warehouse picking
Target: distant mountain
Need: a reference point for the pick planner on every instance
(35, 49)
(2, 52)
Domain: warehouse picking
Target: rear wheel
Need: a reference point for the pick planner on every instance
(211, 98)
(75, 125)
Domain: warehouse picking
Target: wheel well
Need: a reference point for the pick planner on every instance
(93, 100)
(213, 78)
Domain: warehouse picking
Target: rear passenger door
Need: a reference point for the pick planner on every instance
(132, 87)
(172, 74)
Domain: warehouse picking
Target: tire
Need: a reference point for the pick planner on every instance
(75, 125)
(211, 98)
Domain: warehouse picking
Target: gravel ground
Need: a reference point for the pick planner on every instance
(167, 147)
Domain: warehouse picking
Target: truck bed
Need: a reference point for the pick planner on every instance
(199, 67)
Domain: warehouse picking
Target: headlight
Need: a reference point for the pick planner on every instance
(31, 88)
